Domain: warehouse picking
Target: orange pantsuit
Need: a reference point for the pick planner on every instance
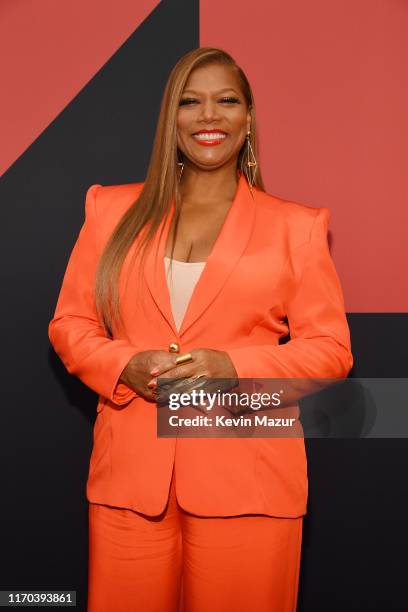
(237, 563)
(269, 273)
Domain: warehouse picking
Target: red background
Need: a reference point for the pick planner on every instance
(330, 83)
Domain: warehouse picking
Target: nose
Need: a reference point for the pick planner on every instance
(209, 110)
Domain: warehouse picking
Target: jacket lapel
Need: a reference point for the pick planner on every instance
(227, 250)
(154, 271)
(225, 254)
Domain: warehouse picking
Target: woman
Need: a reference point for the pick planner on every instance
(221, 518)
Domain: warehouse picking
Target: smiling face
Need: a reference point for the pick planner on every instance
(213, 117)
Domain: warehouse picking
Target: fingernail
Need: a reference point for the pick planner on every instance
(152, 383)
(154, 372)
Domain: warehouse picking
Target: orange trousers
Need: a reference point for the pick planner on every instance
(180, 562)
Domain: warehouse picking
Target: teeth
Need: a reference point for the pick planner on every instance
(213, 136)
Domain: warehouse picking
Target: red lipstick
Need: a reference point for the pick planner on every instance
(208, 138)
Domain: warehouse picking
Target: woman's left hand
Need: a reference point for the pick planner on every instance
(208, 362)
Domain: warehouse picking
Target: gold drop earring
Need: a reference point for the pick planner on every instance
(251, 162)
(181, 166)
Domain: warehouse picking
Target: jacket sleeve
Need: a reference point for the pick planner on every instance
(75, 332)
(320, 339)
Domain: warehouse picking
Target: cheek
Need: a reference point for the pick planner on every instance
(239, 132)
(180, 124)
(240, 123)
(183, 131)
(185, 120)
(180, 140)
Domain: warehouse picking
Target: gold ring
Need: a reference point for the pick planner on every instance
(194, 378)
(184, 358)
(191, 384)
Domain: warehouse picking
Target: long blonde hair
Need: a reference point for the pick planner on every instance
(161, 184)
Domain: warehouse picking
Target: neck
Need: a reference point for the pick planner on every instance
(206, 185)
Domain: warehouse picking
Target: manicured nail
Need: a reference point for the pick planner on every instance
(154, 372)
(152, 383)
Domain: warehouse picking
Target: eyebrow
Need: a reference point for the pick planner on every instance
(217, 92)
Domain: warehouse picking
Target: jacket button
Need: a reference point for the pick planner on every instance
(174, 347)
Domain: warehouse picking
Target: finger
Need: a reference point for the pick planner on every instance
(181, 371)
(167, 362)
(163, 363)
(178, 371)
(151, 397)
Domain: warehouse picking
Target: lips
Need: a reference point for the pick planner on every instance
(215, 131)
(209, 137)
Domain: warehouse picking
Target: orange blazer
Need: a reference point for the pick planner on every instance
(270, 266)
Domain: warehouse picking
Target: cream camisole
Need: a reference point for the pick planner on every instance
(181, 280)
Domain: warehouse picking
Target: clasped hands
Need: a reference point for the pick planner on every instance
(145, 367)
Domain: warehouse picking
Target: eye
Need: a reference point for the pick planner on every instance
(230, 100)
(185, 101)
(224, 100)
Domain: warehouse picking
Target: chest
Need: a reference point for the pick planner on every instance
(196, 231)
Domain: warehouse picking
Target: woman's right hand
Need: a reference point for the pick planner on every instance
(137, 373)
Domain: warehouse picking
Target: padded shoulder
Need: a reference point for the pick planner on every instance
(297, 219)
(114, 200)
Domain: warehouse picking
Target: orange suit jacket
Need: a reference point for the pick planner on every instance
(270, 267)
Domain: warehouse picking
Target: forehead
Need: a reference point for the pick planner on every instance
(213, 77)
